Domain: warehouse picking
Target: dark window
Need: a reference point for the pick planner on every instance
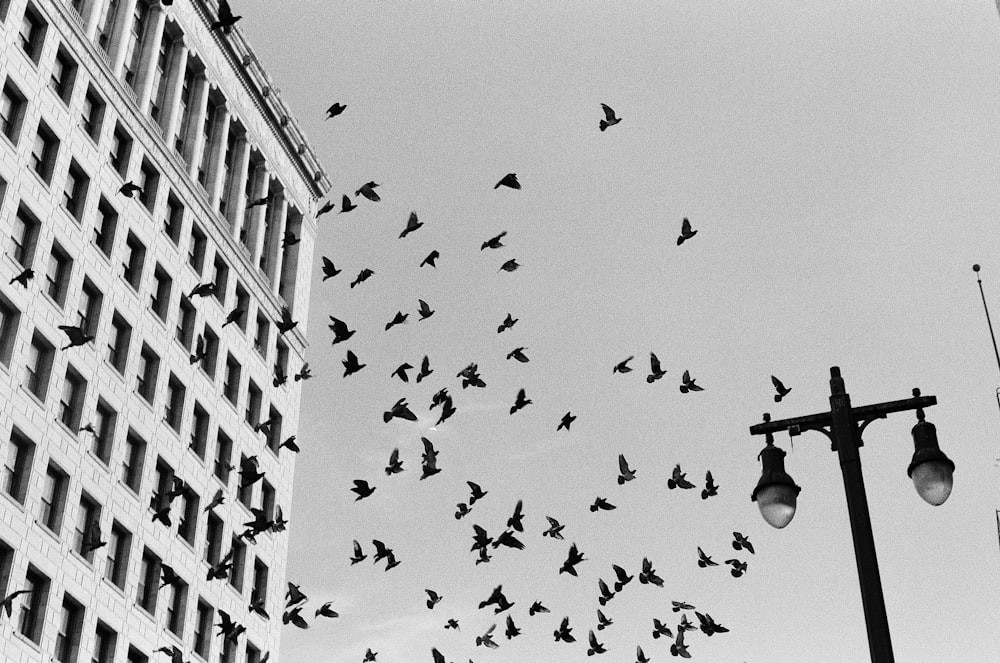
(223, 456)
(236, 574)
(134, 261)
(245, 492)
(162, 285)
(118, 343)
(88, 526)
(213, 539)
(43, 152)
(135, 455)
(221, 278)
(173, 619)
(17, 468)
(260, 573)
(262, 333)
(63, 75)
(6, 562)
(31, 34)
(253, 654)
(203, 629)
(267, 498)
(188, 525)
(106, 25)
(105, 227)
(196, 248)
(136, 656)
(75, 191)
(53, 501)
(105, 641)
(121, 150)
(175, 219)
(104, 430)
(231, 387)
(158, 89)
(38, 366)
(185, 322)
(31, 617)
(88, 311)
(134, 43)
(92, 113)
(211, 358)
(176, 392)
(254, 396)
(71, 401)
(149, 181)
(10, 319)
(12, 106)
(243, 304)
(70, 626)
(199, 430)
(57, 274)
(149, 368)
(116, 558)
(274, 430)
(21, 246)
(149, 582)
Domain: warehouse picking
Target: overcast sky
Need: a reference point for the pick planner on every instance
(840, 164)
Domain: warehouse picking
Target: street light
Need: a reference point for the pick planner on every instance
(930, 469)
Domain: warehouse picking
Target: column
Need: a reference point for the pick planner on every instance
(194, 144)
(121, 36)
(217, 157)
(281, 217)
(170, 115)
(92, 16)
(256, 237)
(237, 201)
(150, 57)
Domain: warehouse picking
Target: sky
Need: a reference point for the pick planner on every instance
(840, 164)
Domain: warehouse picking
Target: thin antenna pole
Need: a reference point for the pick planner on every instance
(993, 337)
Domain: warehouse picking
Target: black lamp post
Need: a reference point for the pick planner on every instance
(930, 470)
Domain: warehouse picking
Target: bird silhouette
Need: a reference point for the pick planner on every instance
(677, 606)
(431, 257)
(520, 402)
(76, 336)
(327, 207)
(704, 560)
(257, 607)
(605, 592)
(398, 319)
(340, 330)
(452, 624)
(640, 656)
(381, 551)
(610, 119)
(493, 242)
(498, 599)
(678, 648)
(537, 608)
(687, 383)
(234, 316)
(507, 538)
(603, 621)
(741, 542)
(477, 493)
(358, 556)
(362, 489)
(507, 323)
(601, 504)
(678, 479)
(351, 365)
(508, 180)
(280, 377)
(511, 630)
(329, 270)
(564, 632)
(400, 410)
(304, 373)
(739, 568)
(411, 224)
(623, 578)
(425, 369)
(289, 239)
(660, 629)
(226, 20)
(202, 290)
(518, 354)
(555, 528)
(573, 558)
(424, 310)
(655, 372)
(480, 538)
(395, 465)
(509, 266)
(175, 654)
(286, 324)
(26, 275)
(400, 372)
(780, 388)
(566, 421)
(648, 575)
(370, 656)
(710, 489)
(433, 598)
(462, 510)
(708, 625)
(622, 366)
(229, 628)
(625, 473)
(200, 351)
(334, 110)
(129, 189)
(595, 646)
(428, 466)
(686, 232)
(368, 191)
(326, 610)
(486, 639)
(516, 519)
(217, 499)
(346, 205)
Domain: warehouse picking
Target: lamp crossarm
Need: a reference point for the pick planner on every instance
(864, 413)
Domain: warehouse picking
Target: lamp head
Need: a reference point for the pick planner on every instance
(776, 493)
(930, 469)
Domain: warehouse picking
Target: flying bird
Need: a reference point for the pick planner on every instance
(289, 239)
(368, 191)
(640, 656)
(286, 324)
(520, 402)
(518, 354)
(493, 242)
(515, 522)
(477, 493)
(566, 421)
(340, 330)
(398, 319)
(739, 568)
(507, 323)
(687, 383)
(400, 372)
(294, 595)
(425, 310)
(508, 180)
(129, 189)
(704, 560)
(622, 366)
(304, 373)
(327, 207)
(346, 205)
(351, 364)
(555, 528)
(610, 119)
(411, 224)
(655, 372)
(431, 257)
(226, 20)
(395, 465)
(486, 639)
(564, 632)
(76, 336)
(362, 276)
(452, 624)
(400, 410)
(425, 369)
(234, 316)
(661, 629)
(509, 266)
(678, 479)
(358, 556)
(329, 270)
(648, 574)
(595, 646)
(508, 539)
(603, 621)
(216, 500)
(625, 473)
(462, 510)
(572, 559)
(710, 489)
(202, 290)
(433, 598)
(709, 626)
(335, 110)
(326, 610)
(370, 656)
(741, 542)
(677, 606)
(23, 277)
(686, 232)
(537, 608)
(605, 592)
(678, 648)
(780, 388)
(362, 489)
(497, 598)
(511, 631)
(623, 577)
(602, 504)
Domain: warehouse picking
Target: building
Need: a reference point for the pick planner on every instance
(97, 93)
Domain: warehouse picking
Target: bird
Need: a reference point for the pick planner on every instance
(431, 257)
(395, 465)
(433, 598)
(661, 629)
(370, 656)
(304, 373)
(573, 558)
(381, 551)
(640, 656)
(684, 625)
(220, 570)
(286, 324)
(486, 639)
(368, 191)
(555, 528)
(678, 479)
(677, 606)
(710, 489)
(520, 402)
(358, 556)
(497, 598)
(400, 410)
(202, 290)
(397, 319)
(435, 654)
(601, 504)
(26, 275)
(655, 372)
(741, 542)
(709, 626)
(605, 592)
(678, 648)
(326, 610)
(625, 473)
(603, 621)
(346, 205)
(648, 575)
(428, 466)
(425, 369)
(452, 624)
(351, 364)
(400, 372)
(477, 493)
(623, 577)
(424, 309)
(289, 239)
(566, 421)
(508, 539)
(687, 383)
(537, 608)
(704, 560)
(327, 207)
(518, 354)
(515, 521)
(461, 510)
(508, 180)
(595, 646)
(509, 266)
(88, 428)
(229, 628)
(92, 537)
(622, 366)
(76, 336)
(329, 269)
(739, 568)
(362, 489)
(686, 232)
(511, 630)
(610, 119)
(507, 323)
(493, 242)
(216, 500)
(340, 330)
(200, 350)
(175, 654)
(335, 110)
(480, 538)
(260, 201)
(780, 388)
(470, 376)
(234, 316)
(564, 632)
(411, 224)
(129, 189)
(226, 20)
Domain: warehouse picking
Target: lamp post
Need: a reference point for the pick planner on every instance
(930, 470)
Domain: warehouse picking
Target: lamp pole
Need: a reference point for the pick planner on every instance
(843, 425)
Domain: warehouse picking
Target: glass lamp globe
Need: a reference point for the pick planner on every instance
(933, 480)
(777, 503)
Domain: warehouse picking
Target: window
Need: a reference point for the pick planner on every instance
(104, 430)
(134, 43)
(10, 319)
(236, 574)
(254, 396)
(104, 229)
(136, 656)
(106, 26)
(243, 304)
(175, 218)
(71, 401)
(162, 284)
(281, 358)
(221, 278)
(211, 352)
(199, 430)
(105, 641)
(53, 498)
(63, 75)
(75, 192)
(203, 629)
(223, 455)
(57, 274)
(228, 172)
(23, 237)
(196, 249)
(267, 498)
(116, 558)
(88, 526)
(175, 402)
(213, 539)
(31, 618)
(38, 366)
(259, 592)
(12, 106)
(149, 180)
(68, 635)
(262, 333)
(32, 33)
(6, 562)
(231, 387)
(134, 260)
(274, 430)
(164, 483)
(188, 525)
(118, 343)
(149, 582)
(228, 653)
(43, 152)
(253, 654)
(149, 366)
(245, 492)
(173, 619)
(89, 309)
(158, 90)
(208, 131)
(17, 469)
(187, 91)
(92, 113)
(121, 150)
(135, 454)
